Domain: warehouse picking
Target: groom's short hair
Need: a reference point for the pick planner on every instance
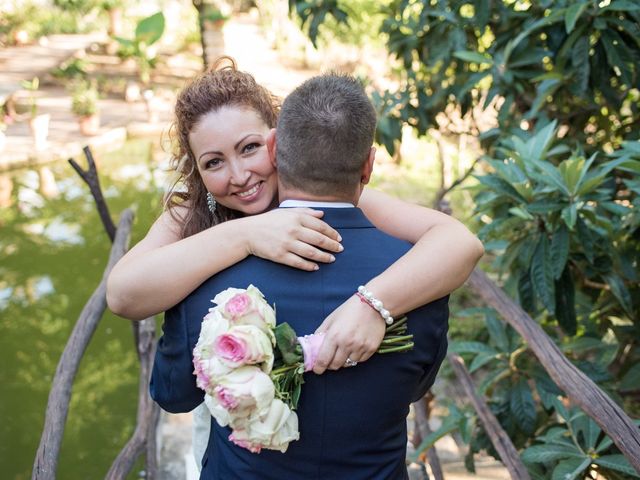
(324, 134)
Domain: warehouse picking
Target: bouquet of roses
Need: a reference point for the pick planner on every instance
(252, 370)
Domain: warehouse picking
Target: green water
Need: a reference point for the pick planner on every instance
(53, 251)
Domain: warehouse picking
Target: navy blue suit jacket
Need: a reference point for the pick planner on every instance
(353, 421)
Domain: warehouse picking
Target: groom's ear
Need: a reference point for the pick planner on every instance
(271, 146)
(367, 168)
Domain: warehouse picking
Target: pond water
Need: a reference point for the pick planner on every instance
(53, 251)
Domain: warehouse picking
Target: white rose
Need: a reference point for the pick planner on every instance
(275, 429)
(244, 391)
(213, 324)
(244, 345)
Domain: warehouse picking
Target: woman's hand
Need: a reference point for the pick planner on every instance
(293, 236)
(354, 330)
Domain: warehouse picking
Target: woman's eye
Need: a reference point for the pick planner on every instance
(250, 147)
(212, 163)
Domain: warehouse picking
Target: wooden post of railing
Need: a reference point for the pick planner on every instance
(499, 438)
(423, 430)
(148, 412)
(46, 461)
(580, 389)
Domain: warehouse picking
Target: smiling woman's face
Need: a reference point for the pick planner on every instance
(230, 149)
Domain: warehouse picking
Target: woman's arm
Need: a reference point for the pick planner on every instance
(443, 256)
(162, 269)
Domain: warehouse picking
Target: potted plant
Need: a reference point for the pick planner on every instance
(141, 47)
(38, 123)
(84, 103)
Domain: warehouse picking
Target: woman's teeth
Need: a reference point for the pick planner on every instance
(249, 192)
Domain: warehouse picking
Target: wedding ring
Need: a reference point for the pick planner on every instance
(350, 363)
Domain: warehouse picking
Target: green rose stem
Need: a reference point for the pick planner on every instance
(401, 348)
(284, 369)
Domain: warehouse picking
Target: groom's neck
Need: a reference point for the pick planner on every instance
(292, 194)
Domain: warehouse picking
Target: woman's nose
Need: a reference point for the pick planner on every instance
(239, 174)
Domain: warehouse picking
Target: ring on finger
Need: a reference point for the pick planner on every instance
(350, 363)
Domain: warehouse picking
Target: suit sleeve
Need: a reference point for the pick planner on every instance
(173, 384)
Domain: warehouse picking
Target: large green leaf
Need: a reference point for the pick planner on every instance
(570, 469)
(588, 430)
(570, 215)
(473, 57)
(623, 6)
(565, 302)
(150, 29)
(481, 360)
(559, 250)
(552, 176)
(550, 453)
(523, 408)
(497, 331)
(450, 423)
(620, 291)
(631, 380)
(553, 17)
(542, 276)
(618, 463)
(499, 185)
(525, 291)
(572, 14)
(471, 347)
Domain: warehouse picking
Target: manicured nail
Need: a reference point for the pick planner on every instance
(316, 267)
(339, 238)
(332, 258)
(340, 248)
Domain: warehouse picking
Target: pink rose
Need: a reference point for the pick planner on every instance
(244, 345)
(244, 391)
(241, 439)
(202, 379)
(238, 305)
(310, 347)
(230, 347)
(225, 397)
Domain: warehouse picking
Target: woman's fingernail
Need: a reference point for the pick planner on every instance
(332, 258)
(340, 248)
(316, 267)
(339, 238)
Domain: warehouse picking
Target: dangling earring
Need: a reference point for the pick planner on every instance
(211, 203)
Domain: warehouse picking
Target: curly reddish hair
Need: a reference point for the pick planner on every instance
(221, 85)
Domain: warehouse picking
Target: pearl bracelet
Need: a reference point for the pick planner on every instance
(367, 297)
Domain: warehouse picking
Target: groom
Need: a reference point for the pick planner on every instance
(352, 421)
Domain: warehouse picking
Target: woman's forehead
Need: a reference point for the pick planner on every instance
(227, 124)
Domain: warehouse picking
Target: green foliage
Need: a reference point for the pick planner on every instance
(32, 87)
(572, 447)
(73, 68)
(562, 217)
(82, 6)
(575, 62)
(84, 98)
(148, 31)
(36, 21)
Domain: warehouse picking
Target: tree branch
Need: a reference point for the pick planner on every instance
(90, 176)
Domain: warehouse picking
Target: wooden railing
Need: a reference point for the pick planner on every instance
(46, 461)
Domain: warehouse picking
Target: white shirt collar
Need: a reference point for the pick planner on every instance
(314, 204)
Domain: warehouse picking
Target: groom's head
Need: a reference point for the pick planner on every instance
(323, 140)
